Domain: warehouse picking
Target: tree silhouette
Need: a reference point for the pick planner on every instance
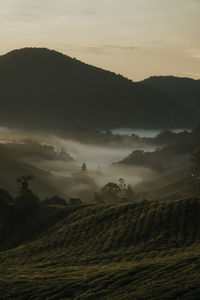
(111, 188)
(84, 167)
(25, 200)
(122, 184)
(113, 192)
(23, 182)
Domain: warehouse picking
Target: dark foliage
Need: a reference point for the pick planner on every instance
(75, 201)
(55, 200)
(5, 199)
(115, 193)
(25, 201)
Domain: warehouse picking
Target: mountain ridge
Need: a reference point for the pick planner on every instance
(38, 86)
(185, 90)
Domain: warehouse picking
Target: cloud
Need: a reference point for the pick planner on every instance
(120, 47)
(102, 49)
(38, 9)
(194, 53)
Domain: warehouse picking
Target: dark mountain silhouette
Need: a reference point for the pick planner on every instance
(184, 90)
(44, 89)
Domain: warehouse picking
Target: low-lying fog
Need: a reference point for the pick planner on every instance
(142, 132)
(69, 180)
(99, 160)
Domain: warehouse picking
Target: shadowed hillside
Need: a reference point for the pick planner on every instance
(20, 158)
(184, 90)
(148, 250)
(44, 89)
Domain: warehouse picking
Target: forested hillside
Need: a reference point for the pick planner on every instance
(184, 90)
(43, 89)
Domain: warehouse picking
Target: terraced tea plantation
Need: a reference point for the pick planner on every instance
(147, 250)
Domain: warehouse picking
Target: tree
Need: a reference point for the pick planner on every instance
(122, 184)
(84, 167)
(25, 200)
(23, 183)
(111, 188)
(108, 193)
(113, 192)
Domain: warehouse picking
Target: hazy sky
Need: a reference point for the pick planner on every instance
(137, 38)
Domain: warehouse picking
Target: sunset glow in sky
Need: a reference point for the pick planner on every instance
(137, 38)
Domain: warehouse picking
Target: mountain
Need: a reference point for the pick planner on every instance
(41, 89)
(183, 90)
(146, 250)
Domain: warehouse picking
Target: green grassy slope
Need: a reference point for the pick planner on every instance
(125, 251)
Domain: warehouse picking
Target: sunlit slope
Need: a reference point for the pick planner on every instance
(127, 251)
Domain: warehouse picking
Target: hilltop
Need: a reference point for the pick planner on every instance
(146, 250)
(41, 89)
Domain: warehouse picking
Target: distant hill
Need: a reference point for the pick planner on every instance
(183, 90)
(44, 89)
(11, 168)
(167, 158)
(54, 171)
(29, 157)
(147, 250)
(173, 153)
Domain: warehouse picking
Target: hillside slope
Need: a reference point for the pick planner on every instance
(184, 90)
(44, 89)
(148, 250)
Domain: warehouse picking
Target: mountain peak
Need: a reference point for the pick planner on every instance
(171, 78)
(34, 50)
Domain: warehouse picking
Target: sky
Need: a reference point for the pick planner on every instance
(136, 38)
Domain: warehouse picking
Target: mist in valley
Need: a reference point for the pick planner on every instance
(58, 163)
